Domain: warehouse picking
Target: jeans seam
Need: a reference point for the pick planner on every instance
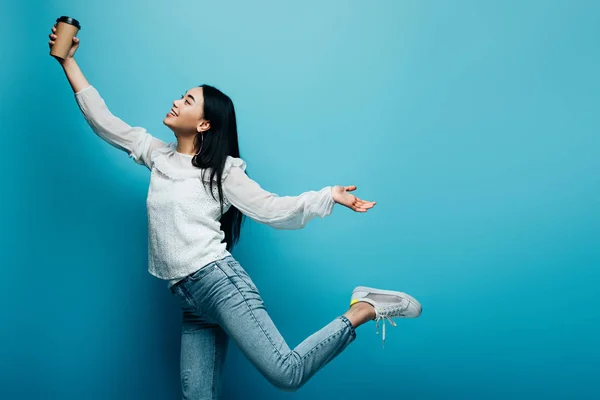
(321, 343)
(250, 309)
(328, 339)
(347, 321)
(214, 369)
(247, 282)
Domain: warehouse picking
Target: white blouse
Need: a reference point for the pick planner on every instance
(184, 232)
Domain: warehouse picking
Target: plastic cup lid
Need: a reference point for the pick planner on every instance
(69, 20)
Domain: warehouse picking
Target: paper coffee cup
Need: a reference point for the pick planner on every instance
(66, 29)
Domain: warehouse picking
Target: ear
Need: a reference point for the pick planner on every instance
(203, 126)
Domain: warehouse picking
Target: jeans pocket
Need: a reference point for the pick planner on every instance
(242, 274)
(180, 297)
(202, 272)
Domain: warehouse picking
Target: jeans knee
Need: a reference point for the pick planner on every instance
(186, 383)
(288, 377)
(192, 386)
(287, 383)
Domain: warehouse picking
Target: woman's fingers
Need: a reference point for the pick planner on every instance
(52, 36)
(359, 208)
(368, 203)
(362, 206)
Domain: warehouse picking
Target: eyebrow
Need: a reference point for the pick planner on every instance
(189, 95)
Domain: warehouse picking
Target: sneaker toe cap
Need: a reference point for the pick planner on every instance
(413, 310)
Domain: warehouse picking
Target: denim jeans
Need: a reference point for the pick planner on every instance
(220, 302)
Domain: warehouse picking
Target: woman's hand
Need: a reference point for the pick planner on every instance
(341, 196)
(73, 49)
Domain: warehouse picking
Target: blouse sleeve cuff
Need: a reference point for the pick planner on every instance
(327, 203)
(83, 90)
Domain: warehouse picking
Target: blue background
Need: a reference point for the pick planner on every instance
(474, 125)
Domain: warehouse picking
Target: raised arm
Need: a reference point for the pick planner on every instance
(133, 140)
(288, 212)
(74, 75)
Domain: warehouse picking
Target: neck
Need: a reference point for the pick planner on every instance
(185, 145)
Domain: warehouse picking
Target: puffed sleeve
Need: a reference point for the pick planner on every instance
(286, 212)
(135, 141)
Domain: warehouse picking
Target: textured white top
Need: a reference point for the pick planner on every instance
(184, 231)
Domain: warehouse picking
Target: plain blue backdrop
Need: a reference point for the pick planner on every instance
(474, 125)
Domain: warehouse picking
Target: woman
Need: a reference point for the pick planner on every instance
(198, 194)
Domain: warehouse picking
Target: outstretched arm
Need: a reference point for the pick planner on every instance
(287, 212)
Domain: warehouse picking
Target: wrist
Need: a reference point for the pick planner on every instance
(66, 62)
(334, 193)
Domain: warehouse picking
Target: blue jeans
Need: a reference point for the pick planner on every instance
(219, 302)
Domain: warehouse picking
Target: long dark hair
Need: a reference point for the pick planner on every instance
(212, 148)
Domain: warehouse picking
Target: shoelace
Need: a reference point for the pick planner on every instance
(385, 314)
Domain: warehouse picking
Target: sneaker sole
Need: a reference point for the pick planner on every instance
(390, 292)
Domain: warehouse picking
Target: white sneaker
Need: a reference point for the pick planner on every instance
(388, 304)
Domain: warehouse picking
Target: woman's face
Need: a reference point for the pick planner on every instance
(186, 115)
